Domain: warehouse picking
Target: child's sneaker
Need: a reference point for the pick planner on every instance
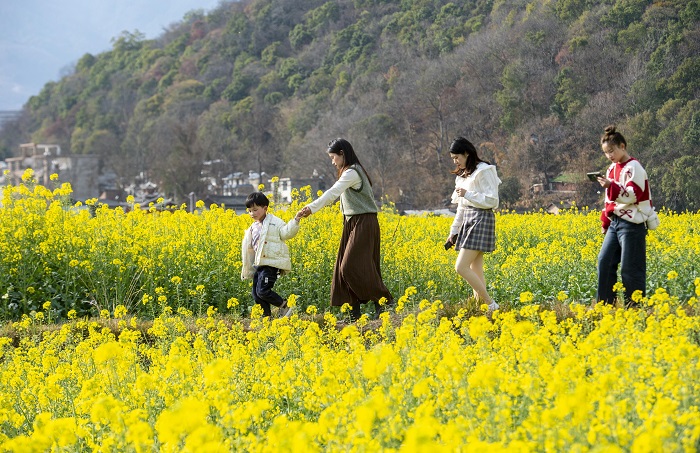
(493, 306)
(285, 311)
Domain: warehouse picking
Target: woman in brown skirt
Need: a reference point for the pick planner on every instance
(357, 277)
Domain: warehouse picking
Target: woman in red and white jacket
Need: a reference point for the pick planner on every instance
(627, 207)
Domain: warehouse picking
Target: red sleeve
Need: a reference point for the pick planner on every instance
(614, 191)
(639, 194)
(605, 219)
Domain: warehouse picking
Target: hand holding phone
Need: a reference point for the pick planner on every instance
(594, 175)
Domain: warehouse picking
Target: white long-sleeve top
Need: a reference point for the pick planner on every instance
(481, 192)
(349, 178)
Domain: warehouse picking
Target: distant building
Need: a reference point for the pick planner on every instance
(81, 171)
(233, 184)
(282, 188)
(235, 202)
(565, 183)
(241, 184)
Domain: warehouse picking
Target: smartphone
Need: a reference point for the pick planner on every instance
(593, 176)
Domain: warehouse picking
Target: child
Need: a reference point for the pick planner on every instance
(264, 254)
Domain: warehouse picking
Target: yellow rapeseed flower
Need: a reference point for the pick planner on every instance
(526, 297)
(120, 311)
(28, 175)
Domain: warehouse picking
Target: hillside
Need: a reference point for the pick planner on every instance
(264, 85)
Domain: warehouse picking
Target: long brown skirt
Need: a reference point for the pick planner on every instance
(357, 277)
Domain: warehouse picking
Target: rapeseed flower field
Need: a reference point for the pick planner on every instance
(129, 336)
(86, 259)
(598, 380)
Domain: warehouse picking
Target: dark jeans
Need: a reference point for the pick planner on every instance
(264, 279)
(625, 244)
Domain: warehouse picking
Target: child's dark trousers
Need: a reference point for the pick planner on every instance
(264, 280)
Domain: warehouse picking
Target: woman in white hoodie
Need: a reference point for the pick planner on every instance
(473, 231)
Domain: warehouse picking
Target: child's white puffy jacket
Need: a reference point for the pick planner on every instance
(272, 250)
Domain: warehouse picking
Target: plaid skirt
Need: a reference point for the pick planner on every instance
(478, 232)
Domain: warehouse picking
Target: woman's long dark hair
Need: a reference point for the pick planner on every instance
(343, 147)
(463, 146)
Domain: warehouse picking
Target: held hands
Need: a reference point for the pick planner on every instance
(460, 191)
(303, 213)
(603, 181)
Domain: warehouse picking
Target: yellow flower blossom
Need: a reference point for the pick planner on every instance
(120, 311)
(28, 175)
(526, 297)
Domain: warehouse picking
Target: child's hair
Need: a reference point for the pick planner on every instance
(257, 199)
(461, 145)
(613, 137)
(342, 146)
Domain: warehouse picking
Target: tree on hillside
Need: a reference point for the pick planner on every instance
(681, 184)
(182, 164)
(255, 137)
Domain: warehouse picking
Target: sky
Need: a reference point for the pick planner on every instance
(41, 39)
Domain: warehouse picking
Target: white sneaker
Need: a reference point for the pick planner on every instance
(493, 306)
(285, 311)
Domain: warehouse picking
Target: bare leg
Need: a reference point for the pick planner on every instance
(470, 266)
(477, 267)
